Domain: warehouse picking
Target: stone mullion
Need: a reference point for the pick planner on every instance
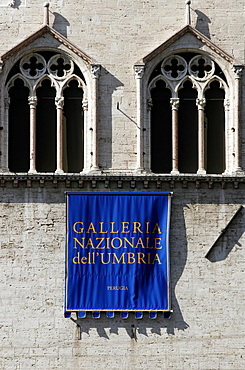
(59, 102)
(33, 104)
(175, 155)
(201, 142)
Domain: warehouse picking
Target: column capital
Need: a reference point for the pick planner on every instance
(59, 102)
(227, 104)
(32, 100)
(6, 103)
(237, 69)
(85, 104)
(174, 102)
(95, 70)
(139, 70)
(149, 104)
(201, 102)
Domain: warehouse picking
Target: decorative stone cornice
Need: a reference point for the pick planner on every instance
(147, 181)
(46, 29)
(188, 29)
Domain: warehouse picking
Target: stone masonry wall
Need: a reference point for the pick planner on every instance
(117, 34)
(206, 330)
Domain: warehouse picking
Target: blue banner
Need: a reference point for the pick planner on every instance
(117, 252)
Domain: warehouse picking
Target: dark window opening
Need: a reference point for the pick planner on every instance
(46, 128)
(161, 129)
(215, 129)
(19, 128)
(188, 129)
(73, 130)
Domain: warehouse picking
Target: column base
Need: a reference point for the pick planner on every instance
(91, 171)
(32, 171)
(175, 171)
(59, 172)
(201, 172)
(140, 171)
(238, 171)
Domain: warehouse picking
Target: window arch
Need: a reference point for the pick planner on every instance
(197, 92)
(47, 98)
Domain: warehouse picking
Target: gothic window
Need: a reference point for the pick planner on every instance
(46, 94)
(188, 93)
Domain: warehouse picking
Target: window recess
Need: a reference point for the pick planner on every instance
(188, 115)
(45, 113)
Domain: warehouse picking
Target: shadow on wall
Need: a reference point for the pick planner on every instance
(159, 325)
(15, 4)
(228, 239)
(60, 24)
(202, 23)
(108, 85)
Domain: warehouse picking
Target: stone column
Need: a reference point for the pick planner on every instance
(33, 104)
(5, 138)
(237, 69)
(175, 156)
(201, 153)
(59, 102)
(139, 72)
(95, 71)
(85, 135)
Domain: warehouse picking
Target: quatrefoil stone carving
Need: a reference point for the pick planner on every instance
(60, 66)
(33, 66)
(174, 67)
(201, 67)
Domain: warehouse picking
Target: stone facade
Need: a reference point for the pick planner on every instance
(206, 329)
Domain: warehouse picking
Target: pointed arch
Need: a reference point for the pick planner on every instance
(189, 76)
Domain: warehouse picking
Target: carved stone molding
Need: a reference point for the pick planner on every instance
(201, 67)
(227, 104)
(201, 103)
(6, 103)
(59, 102)
(174, 102)
(60, 66)
(237, 69)
(32, 100)
(139, 70)
(85, 104)
(174, 67)
(33, 66)
(95, 70)
(149, 104)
